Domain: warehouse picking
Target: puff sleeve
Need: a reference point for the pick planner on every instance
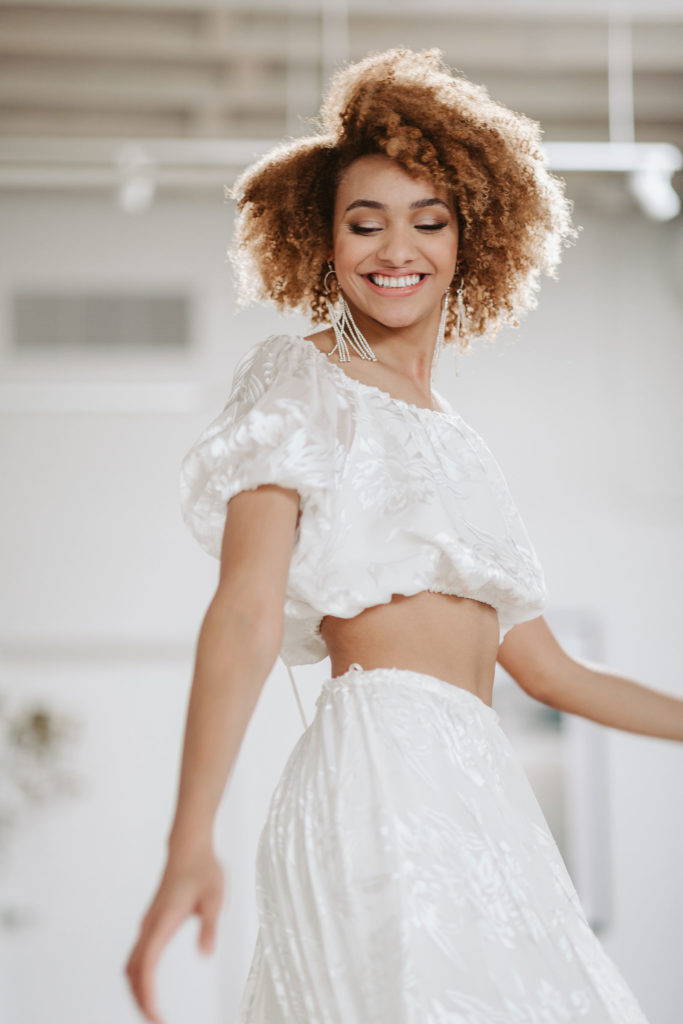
(274, 429)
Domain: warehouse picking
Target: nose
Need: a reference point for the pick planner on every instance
(397, 248)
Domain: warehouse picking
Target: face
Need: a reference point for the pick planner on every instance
(395, 243)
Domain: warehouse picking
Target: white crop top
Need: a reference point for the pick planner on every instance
(394, 499)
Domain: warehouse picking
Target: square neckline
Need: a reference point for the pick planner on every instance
(443, 413)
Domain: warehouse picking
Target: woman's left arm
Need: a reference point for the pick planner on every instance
(531, 654)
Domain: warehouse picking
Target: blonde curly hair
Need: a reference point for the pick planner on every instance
(513, 214)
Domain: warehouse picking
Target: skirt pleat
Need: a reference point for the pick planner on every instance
(406, 874)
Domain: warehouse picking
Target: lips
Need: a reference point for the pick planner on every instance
(394, 284)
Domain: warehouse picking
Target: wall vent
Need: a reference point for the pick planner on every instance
(100, 321)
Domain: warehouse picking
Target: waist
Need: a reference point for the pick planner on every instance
(453, 638)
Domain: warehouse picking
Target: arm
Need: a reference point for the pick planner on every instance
(239, 641)
(531, 654)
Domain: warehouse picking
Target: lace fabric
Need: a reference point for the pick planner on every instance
(395, 498)
(406, 874)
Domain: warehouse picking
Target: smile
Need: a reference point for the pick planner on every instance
(386, 285)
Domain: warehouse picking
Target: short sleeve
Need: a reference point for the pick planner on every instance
(274, 429)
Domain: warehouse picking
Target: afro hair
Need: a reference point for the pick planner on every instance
(513, 214)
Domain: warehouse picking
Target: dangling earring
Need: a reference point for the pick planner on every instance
(459, 319)
(441, 330)
(460, 308)
(343, 324)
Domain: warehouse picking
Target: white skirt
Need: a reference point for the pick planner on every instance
(406, 874)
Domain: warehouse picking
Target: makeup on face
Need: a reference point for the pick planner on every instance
(395, 237)
(396, 282)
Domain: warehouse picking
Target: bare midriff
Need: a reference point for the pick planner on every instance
(443, 635)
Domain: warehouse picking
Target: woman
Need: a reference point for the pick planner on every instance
(405, 871)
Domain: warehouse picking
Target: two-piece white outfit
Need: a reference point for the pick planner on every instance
(405, 872)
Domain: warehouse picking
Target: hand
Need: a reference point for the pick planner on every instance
(191, 885)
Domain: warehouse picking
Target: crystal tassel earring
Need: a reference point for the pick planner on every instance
(459, 318)
(441, 330)
(343, 324)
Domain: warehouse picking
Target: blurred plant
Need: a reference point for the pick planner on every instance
(33, 772)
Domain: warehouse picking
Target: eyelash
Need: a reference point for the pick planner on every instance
(422, 227)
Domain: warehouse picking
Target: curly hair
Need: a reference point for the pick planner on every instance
(513, 214)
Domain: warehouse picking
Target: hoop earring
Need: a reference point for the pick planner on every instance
(343, 324)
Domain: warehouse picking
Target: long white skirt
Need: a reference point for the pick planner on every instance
(406, 874)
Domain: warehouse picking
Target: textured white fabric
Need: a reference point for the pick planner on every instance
(405, 871)
(406, 874)
(395, 499)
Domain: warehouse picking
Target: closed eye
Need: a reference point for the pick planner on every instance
(358, 230)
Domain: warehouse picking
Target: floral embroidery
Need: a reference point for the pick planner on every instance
(393, 496)
(405, 873)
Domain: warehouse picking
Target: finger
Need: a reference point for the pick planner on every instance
(147, 997)
(150, 951)
(145, 1001)
(207, 933)
(209, 912)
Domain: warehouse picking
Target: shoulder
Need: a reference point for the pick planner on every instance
(292, 346)
(263, 352)
(323, 340)
(261, 364)
(287, 366)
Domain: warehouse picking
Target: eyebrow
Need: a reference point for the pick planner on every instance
(419, 204)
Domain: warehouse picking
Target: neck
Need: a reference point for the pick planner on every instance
(409, 350)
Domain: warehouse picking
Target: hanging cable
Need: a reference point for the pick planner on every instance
(296, 694)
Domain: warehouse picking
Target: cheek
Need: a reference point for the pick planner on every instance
(350, 250)
(445, 252)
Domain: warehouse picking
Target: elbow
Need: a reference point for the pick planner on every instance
(246, 621)
(551, 686)
(536, 686)
(544, 694)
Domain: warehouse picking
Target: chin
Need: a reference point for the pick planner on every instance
(395, 320)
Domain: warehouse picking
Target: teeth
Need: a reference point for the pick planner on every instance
(394, 282)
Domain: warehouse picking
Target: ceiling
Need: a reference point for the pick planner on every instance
(82, 72)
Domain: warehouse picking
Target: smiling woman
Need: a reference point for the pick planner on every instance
(405, 871)
(484, 162)
(402, 249)
(386, 278)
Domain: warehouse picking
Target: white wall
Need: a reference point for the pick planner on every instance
(104, 589)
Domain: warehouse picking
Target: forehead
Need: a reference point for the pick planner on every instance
(378, 177)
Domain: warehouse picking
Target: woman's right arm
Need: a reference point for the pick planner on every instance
(239, 642)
